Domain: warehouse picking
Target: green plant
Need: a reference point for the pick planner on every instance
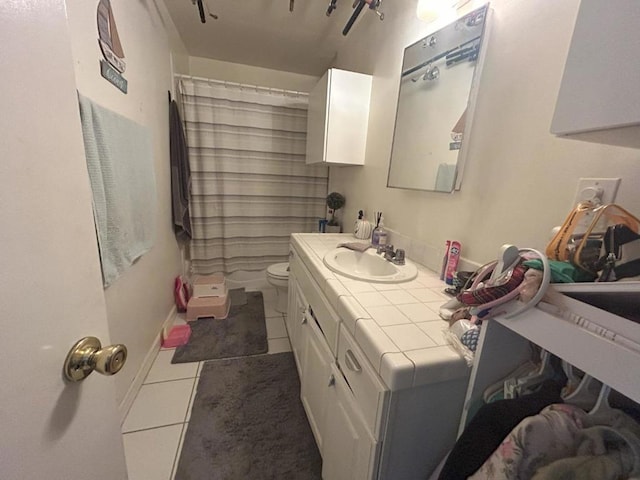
(335, 201)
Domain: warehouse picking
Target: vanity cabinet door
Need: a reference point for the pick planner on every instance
(296, 316)
(315, 378)
(349, 451)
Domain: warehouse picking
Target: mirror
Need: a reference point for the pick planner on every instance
(435, 106)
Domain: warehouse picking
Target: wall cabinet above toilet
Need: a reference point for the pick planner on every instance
(338, 118)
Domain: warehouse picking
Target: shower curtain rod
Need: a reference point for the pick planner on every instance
(242, 85)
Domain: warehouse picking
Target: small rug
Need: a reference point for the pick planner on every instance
(248, 422)
(243, 332)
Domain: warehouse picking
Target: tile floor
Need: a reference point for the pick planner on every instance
(157, 421)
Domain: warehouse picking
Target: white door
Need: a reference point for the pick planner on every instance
(50, 286)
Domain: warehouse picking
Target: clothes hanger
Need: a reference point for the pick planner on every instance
(602, 404)
(585, 395)
(508, 258)
(516, 387)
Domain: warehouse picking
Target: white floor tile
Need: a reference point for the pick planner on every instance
(279, 345)
(179, 450)
(162, 368)
(275, 327)
(270, 298)
(191, 399)
(159, 404)
(150, 453)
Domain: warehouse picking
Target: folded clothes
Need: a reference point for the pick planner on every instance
(357, 246)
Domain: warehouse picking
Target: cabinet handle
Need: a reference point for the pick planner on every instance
(352, 362)
(304, 317)
(332, 380)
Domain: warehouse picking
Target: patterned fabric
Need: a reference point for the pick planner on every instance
(561, 431)
(480, 296)
(470, 339)
(603, 453)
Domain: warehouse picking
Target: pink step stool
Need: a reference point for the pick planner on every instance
(178, 335)
(211, 298)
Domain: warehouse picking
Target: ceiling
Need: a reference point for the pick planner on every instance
(265, 33)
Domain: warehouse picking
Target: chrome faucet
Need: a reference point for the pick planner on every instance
(396, 257)
(385, 250)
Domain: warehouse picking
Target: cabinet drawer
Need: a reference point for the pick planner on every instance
(368, 390)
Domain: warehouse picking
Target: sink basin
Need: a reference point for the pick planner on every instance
(368, 267)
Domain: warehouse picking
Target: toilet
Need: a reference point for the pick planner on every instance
(278, 276)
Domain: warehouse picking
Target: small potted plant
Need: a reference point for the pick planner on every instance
(335, 201)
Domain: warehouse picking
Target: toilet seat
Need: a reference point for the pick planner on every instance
(279, 270)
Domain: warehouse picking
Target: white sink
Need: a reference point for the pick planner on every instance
(368, 266)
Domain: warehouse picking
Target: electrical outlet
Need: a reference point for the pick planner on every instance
(590, 188)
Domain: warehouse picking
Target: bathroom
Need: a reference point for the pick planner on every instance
(519, 180)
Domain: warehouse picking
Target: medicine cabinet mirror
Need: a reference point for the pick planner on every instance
(438, 84)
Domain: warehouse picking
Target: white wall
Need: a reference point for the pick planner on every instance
(247, 74)
(519, 180)
(142, 298)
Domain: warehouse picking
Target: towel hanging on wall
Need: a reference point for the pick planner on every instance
(180, 175)
(120, 165)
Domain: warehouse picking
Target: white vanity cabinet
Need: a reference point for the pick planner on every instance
(338, 118)
(599, 87)
(345, 440)
(364, 429)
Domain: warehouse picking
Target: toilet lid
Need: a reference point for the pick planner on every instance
(279, 270)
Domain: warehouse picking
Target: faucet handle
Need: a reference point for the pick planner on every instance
(384, 248)
(399, 257)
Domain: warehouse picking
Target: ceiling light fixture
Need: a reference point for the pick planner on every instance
(430, 10)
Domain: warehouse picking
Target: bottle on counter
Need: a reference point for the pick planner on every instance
(379, 236)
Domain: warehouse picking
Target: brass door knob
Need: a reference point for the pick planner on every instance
(88, 355)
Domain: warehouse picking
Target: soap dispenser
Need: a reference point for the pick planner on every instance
(379, 236)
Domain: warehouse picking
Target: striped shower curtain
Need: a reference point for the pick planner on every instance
(250, 186)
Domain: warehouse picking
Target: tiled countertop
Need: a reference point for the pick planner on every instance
(396, 325)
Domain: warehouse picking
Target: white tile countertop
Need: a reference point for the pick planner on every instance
(396, 325)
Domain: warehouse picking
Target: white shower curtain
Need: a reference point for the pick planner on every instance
(250, 186)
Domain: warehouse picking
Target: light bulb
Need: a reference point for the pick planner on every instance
(430, 10)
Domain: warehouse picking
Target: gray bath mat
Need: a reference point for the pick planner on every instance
(247, 422)
(243, 332)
